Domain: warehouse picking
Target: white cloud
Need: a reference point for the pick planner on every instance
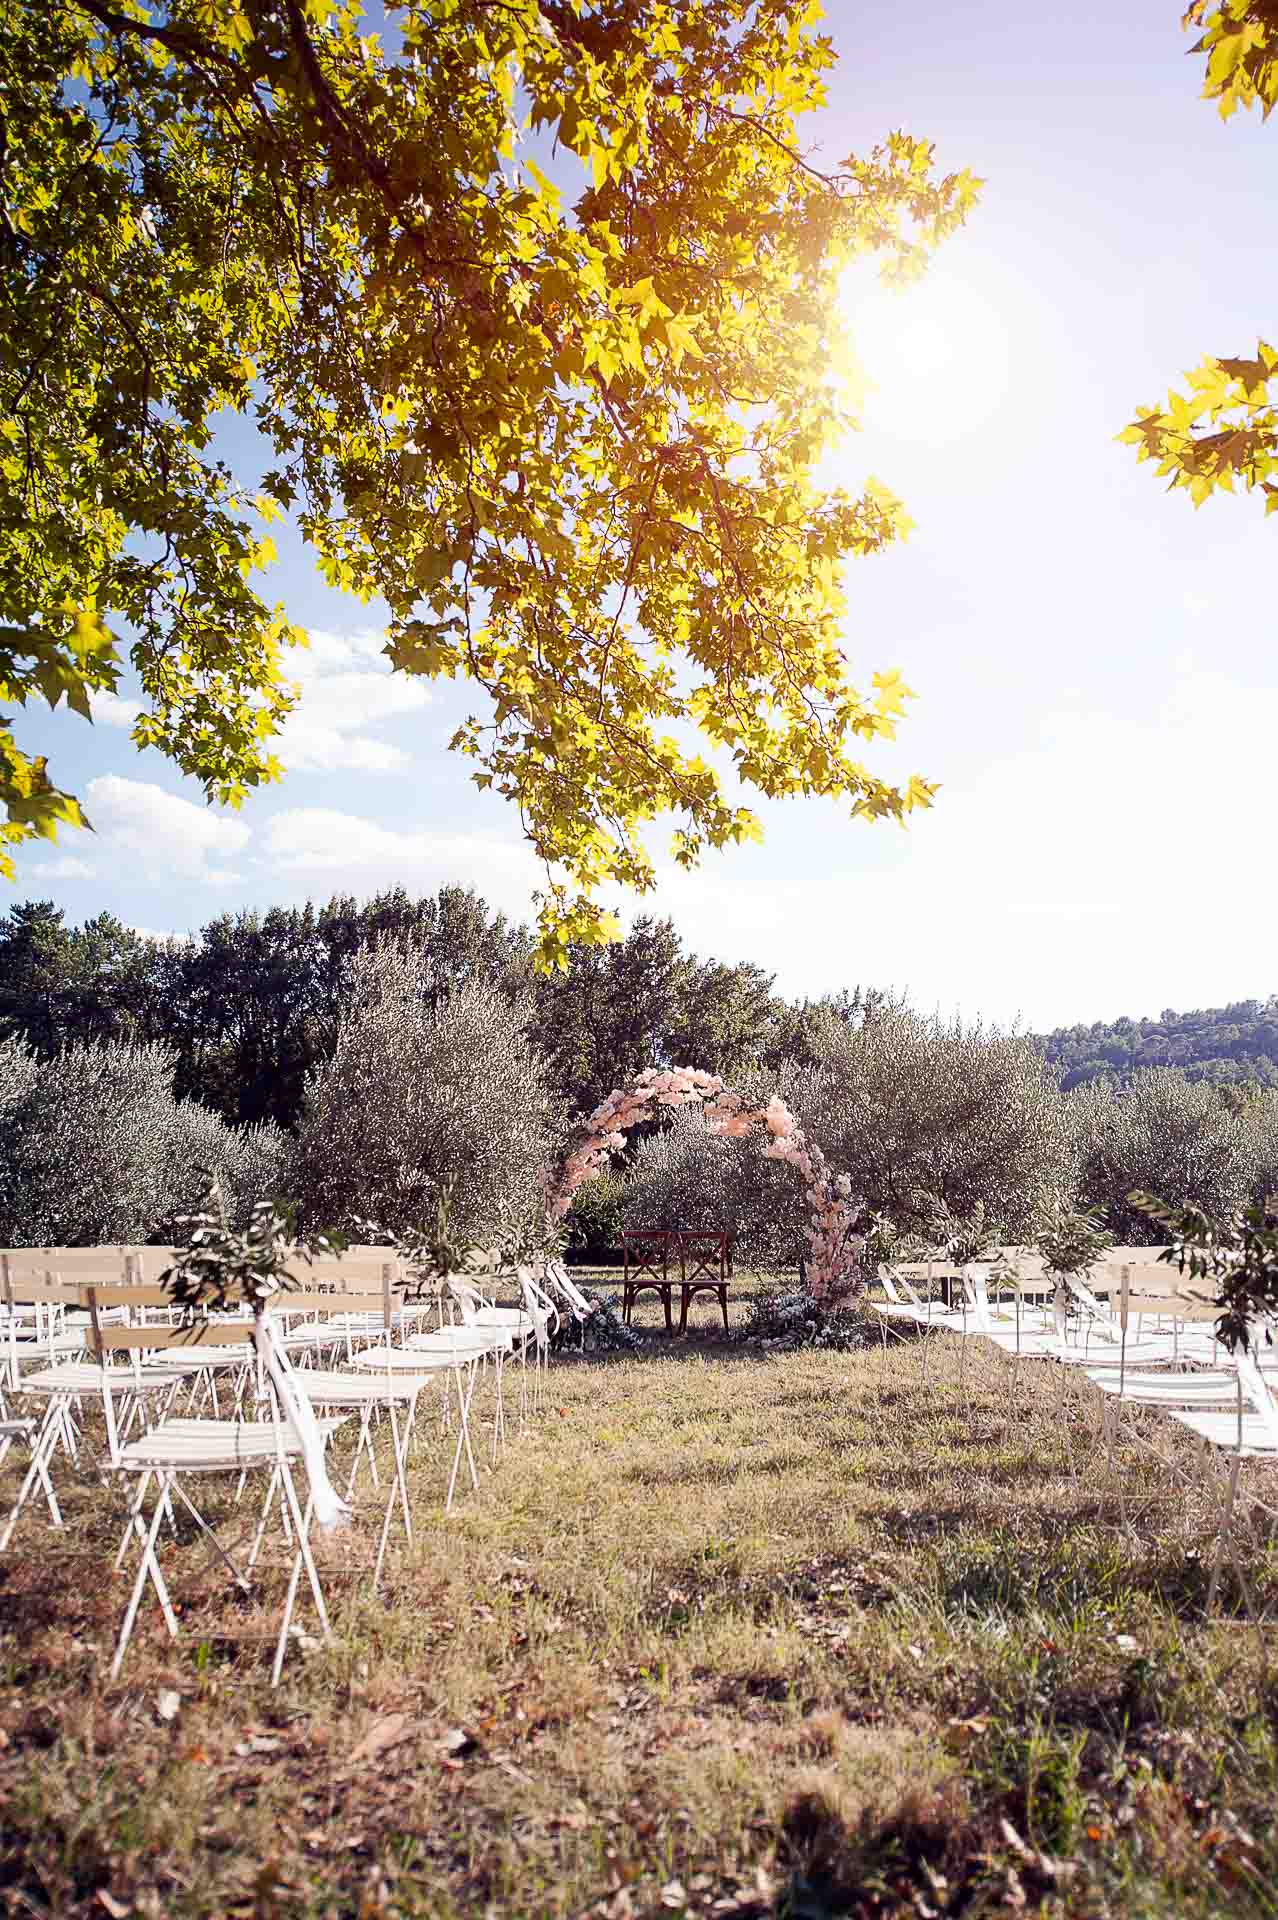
(65, 867)
(352, 852)
(162, 834)
(347, 690)
(109, 710)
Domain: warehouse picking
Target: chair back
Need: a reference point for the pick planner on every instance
(106, 1338)
(50, 1298)
(540, 1308)
(145, 1265)
(372, 1302)
(557, 1275)
(1143, 1294)
(73, 1263)
(906, 1272)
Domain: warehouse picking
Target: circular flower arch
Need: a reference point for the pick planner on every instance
(835, 1245)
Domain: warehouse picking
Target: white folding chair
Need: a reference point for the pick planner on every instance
(455, 1352)
(64, 1387)
(179, 1451)
(366, 1393)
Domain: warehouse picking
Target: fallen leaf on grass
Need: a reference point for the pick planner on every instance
(381, 1736)
(964, 1733)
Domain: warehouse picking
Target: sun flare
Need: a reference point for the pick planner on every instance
(933, 357)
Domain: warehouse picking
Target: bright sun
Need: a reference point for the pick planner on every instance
(934, 356)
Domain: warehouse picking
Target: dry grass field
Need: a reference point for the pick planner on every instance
(724, 1634)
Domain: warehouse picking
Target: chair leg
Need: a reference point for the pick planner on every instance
(1223, 1536)
(362, 1444)
(463, 1437)
(149, 1567)
(41, 1452)
(399, 1487)
(209, 1534)
(134, 1522)
(305, 1559)
(259, 1536)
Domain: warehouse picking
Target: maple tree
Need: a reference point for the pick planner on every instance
(1224, 428)
(567, 428)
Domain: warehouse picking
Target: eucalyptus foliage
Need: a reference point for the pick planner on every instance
(1070, 1239)
(220, 1265)
(418, 1101)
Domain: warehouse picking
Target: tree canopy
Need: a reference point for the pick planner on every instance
(534, 309)
(1224, 428)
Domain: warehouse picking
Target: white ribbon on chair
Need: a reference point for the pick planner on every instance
(330, 1510)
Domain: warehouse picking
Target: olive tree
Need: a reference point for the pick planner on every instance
(247, 1164)
(417, 1103)
(95, 1149)
(933, 1118)
(1161, 1134)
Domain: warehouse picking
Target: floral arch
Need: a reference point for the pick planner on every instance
(835, 1245)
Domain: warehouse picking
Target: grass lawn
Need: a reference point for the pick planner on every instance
(787, 1635)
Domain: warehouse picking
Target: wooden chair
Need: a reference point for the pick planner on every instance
(705, 1266)
(646, 1255)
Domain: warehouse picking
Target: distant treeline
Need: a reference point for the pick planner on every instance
(249, 1006)
(1221, 1045)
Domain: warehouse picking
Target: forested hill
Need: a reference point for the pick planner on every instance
(1219, 1044)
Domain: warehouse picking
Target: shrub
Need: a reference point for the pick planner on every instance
(95, 1150)
(924, 1114)
(596, 1216)
(418, 1102)
(87, 1148)
(249, 1164)
(1165, 1135)
(18, 1073)
(790, 1318)
(604, 1332)
(1258, 1112)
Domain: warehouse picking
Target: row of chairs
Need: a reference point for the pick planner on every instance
(86, 1327)
(1143, 1337)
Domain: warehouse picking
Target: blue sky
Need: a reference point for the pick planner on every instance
(1094, 659)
